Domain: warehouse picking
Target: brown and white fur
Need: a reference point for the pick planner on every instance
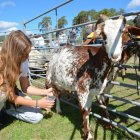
(127, 53)
(85, 69)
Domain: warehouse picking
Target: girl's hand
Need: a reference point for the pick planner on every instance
(51, 92)
(45, 104)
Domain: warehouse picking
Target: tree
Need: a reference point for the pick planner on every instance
(45, 24)
(82, 17)
(93, 15)
(130, 22)
(62, 22)
(108, 12)
(121, 12)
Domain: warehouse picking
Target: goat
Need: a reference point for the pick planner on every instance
(85, 69)
(130, 49)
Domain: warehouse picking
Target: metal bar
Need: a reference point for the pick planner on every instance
(124, 85)
(48, 11)
(47, 48)
(83, 24)
(120, 113)
(107, 120)
(116, 124)
(32, 59)
(32, 74)
(56, 18)
(126, 15)
(123, 100)
(128, 66)
(61, 99)
(91, 45)
(37, 68)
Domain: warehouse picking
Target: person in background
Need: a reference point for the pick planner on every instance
(90, 38)
(14, 67)
(38, 42)
(137, 21)
(62, 38)
(89, 34)
(72, 37)
(89, 29)
(137, 24)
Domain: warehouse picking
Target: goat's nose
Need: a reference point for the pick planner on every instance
(114, 56)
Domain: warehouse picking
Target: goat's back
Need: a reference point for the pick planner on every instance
(71, 65)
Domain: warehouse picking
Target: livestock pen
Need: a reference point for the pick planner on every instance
(117, 98)
(123, 107)
(120, 103)
(68, 125)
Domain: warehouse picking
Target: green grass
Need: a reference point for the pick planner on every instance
(69, 125)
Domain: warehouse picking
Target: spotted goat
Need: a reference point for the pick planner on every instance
(130, 49)
(85, 69)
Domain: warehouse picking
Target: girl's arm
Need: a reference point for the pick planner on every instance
(27, 88)
(42, 103)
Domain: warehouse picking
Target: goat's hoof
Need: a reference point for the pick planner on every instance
(90, 139)
(88, 136)
(59, 112)
(48, 114)
(108, 126)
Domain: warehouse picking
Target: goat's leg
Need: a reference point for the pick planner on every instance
(58, 108)
(103, 100)
(104, 112)
(85, 101)
(87, 132)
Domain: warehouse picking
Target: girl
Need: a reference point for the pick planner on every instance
(14, 66)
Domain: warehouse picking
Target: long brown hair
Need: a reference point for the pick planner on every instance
(14, 51)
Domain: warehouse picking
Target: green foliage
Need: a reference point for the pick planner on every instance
(93, 15)
(121, 12)
(82, 17)
(2, 38)
(45, 23)
(130, 22)
(109, 12)
(85, 16)
(62, 22)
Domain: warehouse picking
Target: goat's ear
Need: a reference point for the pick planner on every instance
(124, 19)
(104, 17)
(132, 30)
(99, 29)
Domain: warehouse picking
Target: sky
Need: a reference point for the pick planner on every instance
(13, 13)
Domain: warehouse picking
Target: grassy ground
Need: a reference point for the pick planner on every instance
(69, 125)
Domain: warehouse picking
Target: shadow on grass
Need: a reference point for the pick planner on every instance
(115, 134)
(75, 117)
(5, 120)
(133, 111)
(116, 131)
(133, 76)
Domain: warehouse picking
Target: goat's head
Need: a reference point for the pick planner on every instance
(111, 31)
(130, 42)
